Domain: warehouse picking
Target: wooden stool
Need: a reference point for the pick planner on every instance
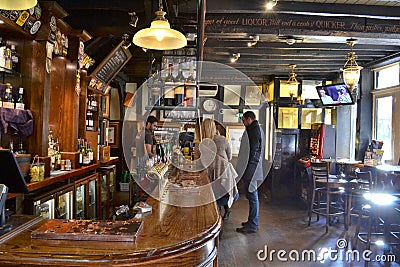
(324, 184)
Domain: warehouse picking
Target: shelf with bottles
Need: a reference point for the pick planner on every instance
(92, 116)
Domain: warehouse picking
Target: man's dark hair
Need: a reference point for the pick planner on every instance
(151, 119)
(249, 114)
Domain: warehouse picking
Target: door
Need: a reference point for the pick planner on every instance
(80, 200)
(64, 203)
(92, 187)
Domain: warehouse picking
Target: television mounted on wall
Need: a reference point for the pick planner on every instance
(335, 95)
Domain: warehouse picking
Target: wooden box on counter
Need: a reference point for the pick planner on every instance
(104, 154)
(73, 157)
(47, 165)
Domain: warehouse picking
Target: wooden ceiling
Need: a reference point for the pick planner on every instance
(319, 29)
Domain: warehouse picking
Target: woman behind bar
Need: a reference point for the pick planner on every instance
(220, 170)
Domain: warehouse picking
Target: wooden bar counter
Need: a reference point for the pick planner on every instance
(169, 236)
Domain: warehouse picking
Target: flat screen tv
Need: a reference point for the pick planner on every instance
(335, 95)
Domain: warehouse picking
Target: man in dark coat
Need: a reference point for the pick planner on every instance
(249, 167)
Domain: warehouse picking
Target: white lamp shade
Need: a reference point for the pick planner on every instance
(351, 76)
(17, 4)
(159, 37)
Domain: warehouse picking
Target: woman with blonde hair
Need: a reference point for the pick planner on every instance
(215, 154)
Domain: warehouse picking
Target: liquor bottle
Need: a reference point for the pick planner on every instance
(8, 101)
(190, 89)
(179, 88)
(20, 100)
(85, 159)
(3, 50)
(11, 145)
(90, 151)
(14, 58)
(8, 63)
(80, 150)
(94, 102)
(169, 85)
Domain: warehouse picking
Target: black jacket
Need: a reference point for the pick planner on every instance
(251, 153)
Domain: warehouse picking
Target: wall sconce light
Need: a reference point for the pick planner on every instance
(160, 36)
(292, 82)
(254, 41)
(17, 5)
(351, 70)
(134, 19)
(270, 4)
(235, 57)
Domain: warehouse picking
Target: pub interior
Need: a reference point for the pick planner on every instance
(90, 179)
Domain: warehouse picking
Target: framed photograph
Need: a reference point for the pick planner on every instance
(253, 95)
(105, 106)
(114, 134)
(234, 135)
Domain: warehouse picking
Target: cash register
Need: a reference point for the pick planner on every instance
(11, 180)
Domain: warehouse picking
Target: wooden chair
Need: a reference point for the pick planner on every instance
(332, 189)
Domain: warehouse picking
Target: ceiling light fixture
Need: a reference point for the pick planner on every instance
(159, 36)
(254, 39)
(351, 70)
(17, 5)
(134, 19)
(292, 81)
(270, 4)
(235, 57)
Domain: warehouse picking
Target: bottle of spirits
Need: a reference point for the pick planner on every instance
(86, 159)
(80, 150)
(8, 64)
(179, 88)
(14, 58)
(3, 50)
(90, 152)
(20, 100)
(169, 85)
(8, 101)
(190, 89)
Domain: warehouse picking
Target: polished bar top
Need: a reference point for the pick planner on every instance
(170, 236)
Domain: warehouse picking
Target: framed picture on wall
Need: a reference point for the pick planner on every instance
(113, 133)
(105, 106)
(234, 135)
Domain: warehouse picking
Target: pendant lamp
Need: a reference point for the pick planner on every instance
(292, 81)
(159, 36)
(17, 4)
(351, 70)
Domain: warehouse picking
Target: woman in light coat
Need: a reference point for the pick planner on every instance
(215, 154)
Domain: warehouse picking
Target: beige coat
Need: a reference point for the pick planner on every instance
(216, 156)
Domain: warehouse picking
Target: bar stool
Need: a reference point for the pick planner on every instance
(382, 228)
(330, 187)
(362, 184)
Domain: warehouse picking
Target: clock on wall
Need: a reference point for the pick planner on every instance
(210, 105)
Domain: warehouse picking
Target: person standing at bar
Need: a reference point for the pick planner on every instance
(249, 168)
(149, 138)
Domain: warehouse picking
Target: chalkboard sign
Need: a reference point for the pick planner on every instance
(112, 64)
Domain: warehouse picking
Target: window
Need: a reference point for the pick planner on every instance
(383, 124)
(387, 76)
